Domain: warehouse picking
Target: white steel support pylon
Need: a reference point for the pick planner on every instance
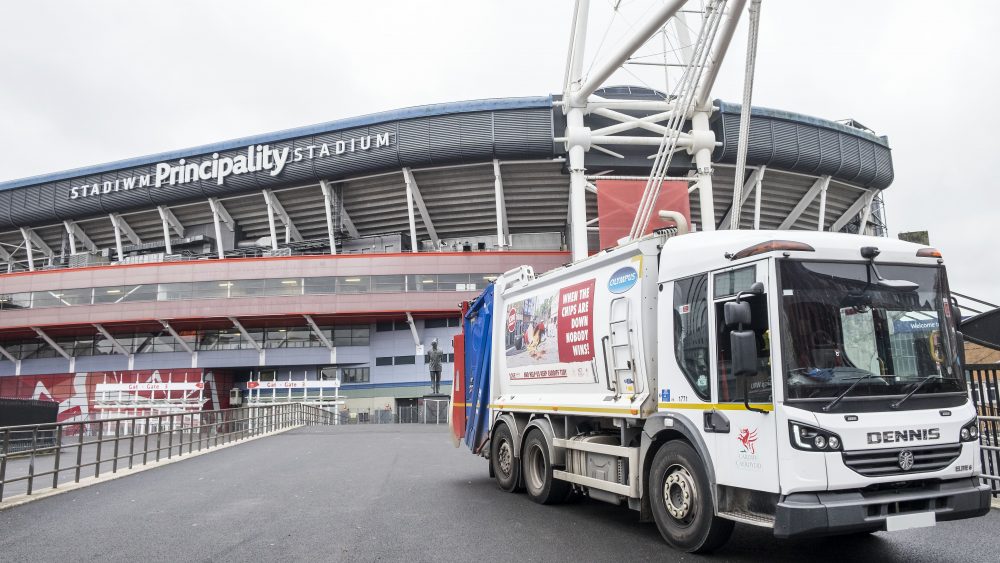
(688, 103)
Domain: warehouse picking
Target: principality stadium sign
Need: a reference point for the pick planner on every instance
(271, 159)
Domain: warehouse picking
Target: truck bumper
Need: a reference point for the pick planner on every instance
(830, 513)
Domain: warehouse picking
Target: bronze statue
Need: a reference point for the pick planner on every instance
(434, 357)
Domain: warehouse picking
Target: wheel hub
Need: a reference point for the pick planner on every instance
(504, 457)
(679, 492)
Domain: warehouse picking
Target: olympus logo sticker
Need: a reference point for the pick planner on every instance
(218, 168)
(623, 280)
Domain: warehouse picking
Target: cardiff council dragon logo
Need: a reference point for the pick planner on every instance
(748, 438)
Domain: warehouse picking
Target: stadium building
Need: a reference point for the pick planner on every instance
(340, 251)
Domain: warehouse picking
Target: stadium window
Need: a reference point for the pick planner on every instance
(245, 288)
(283, 286)
(405, 360)
(384, 326)
(390, 283)
(353, 284)
(355, 375)
(435, 323)
(383, 361)
(319, 286)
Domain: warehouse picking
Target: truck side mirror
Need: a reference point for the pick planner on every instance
(743, 347)
(960, 343)
(736, 313)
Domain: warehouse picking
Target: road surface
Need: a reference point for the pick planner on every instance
(389, 493)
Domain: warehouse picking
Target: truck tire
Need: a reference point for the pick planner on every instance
(503, 462)
(537, 472)
(681, 498)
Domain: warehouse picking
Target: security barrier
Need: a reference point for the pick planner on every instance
(983, 380)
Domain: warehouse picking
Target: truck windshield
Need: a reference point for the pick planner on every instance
(839, 324)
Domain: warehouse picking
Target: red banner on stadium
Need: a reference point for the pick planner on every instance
(618, 201)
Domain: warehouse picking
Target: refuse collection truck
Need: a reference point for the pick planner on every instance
(810, 383)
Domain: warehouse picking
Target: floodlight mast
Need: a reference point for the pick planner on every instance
(579, 100)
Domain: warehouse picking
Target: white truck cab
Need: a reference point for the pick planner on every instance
(805, 382)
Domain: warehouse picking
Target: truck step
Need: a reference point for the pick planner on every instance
(747, 517)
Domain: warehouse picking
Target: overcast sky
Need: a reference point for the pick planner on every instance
(91, 82)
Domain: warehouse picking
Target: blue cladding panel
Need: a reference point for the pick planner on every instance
(809, 153)
(300, 171)
(522, 133)
(5, 204)
(804, 144)
(31, 207)
(445, 138)
(414, 143)
(477, 136)
(851, 151)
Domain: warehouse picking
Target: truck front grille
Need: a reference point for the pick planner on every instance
(877, 463)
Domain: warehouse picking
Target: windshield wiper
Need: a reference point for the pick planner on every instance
(912, 391)
(834, 402)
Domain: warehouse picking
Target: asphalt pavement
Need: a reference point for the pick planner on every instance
(390, 493)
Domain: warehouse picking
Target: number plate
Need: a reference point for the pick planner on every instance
(907, 521)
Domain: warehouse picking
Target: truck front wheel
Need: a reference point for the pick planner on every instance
(503, 463)
(681, 499)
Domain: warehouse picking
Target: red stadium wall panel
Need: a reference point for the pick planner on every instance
(618, 201)
(84, 396)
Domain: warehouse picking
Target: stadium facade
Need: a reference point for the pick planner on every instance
(340, 251)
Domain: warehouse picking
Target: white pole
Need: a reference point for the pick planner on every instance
(31, 257)
(409, 212)
(703, 165)
(718, 54)
(577, 190)
(118, 236)
(328, 201)
(498, 197)
(822, 207)
(270, 221)
(756, 202)
(576, 136)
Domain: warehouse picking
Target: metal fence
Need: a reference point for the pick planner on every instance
(430, 412)
(983, 380)
(45, 455)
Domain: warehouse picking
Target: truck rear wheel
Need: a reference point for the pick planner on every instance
(681, 499)
(537, 471)
(503, 463)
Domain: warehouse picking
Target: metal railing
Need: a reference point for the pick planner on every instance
(431, 412)
(51, 454)
(983, 382)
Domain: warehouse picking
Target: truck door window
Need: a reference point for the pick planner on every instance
(691, 331)
(731, 389)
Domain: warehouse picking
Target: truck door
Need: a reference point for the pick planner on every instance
(746, 442)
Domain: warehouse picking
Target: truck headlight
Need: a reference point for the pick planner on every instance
(969, 432)
(811, 439)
